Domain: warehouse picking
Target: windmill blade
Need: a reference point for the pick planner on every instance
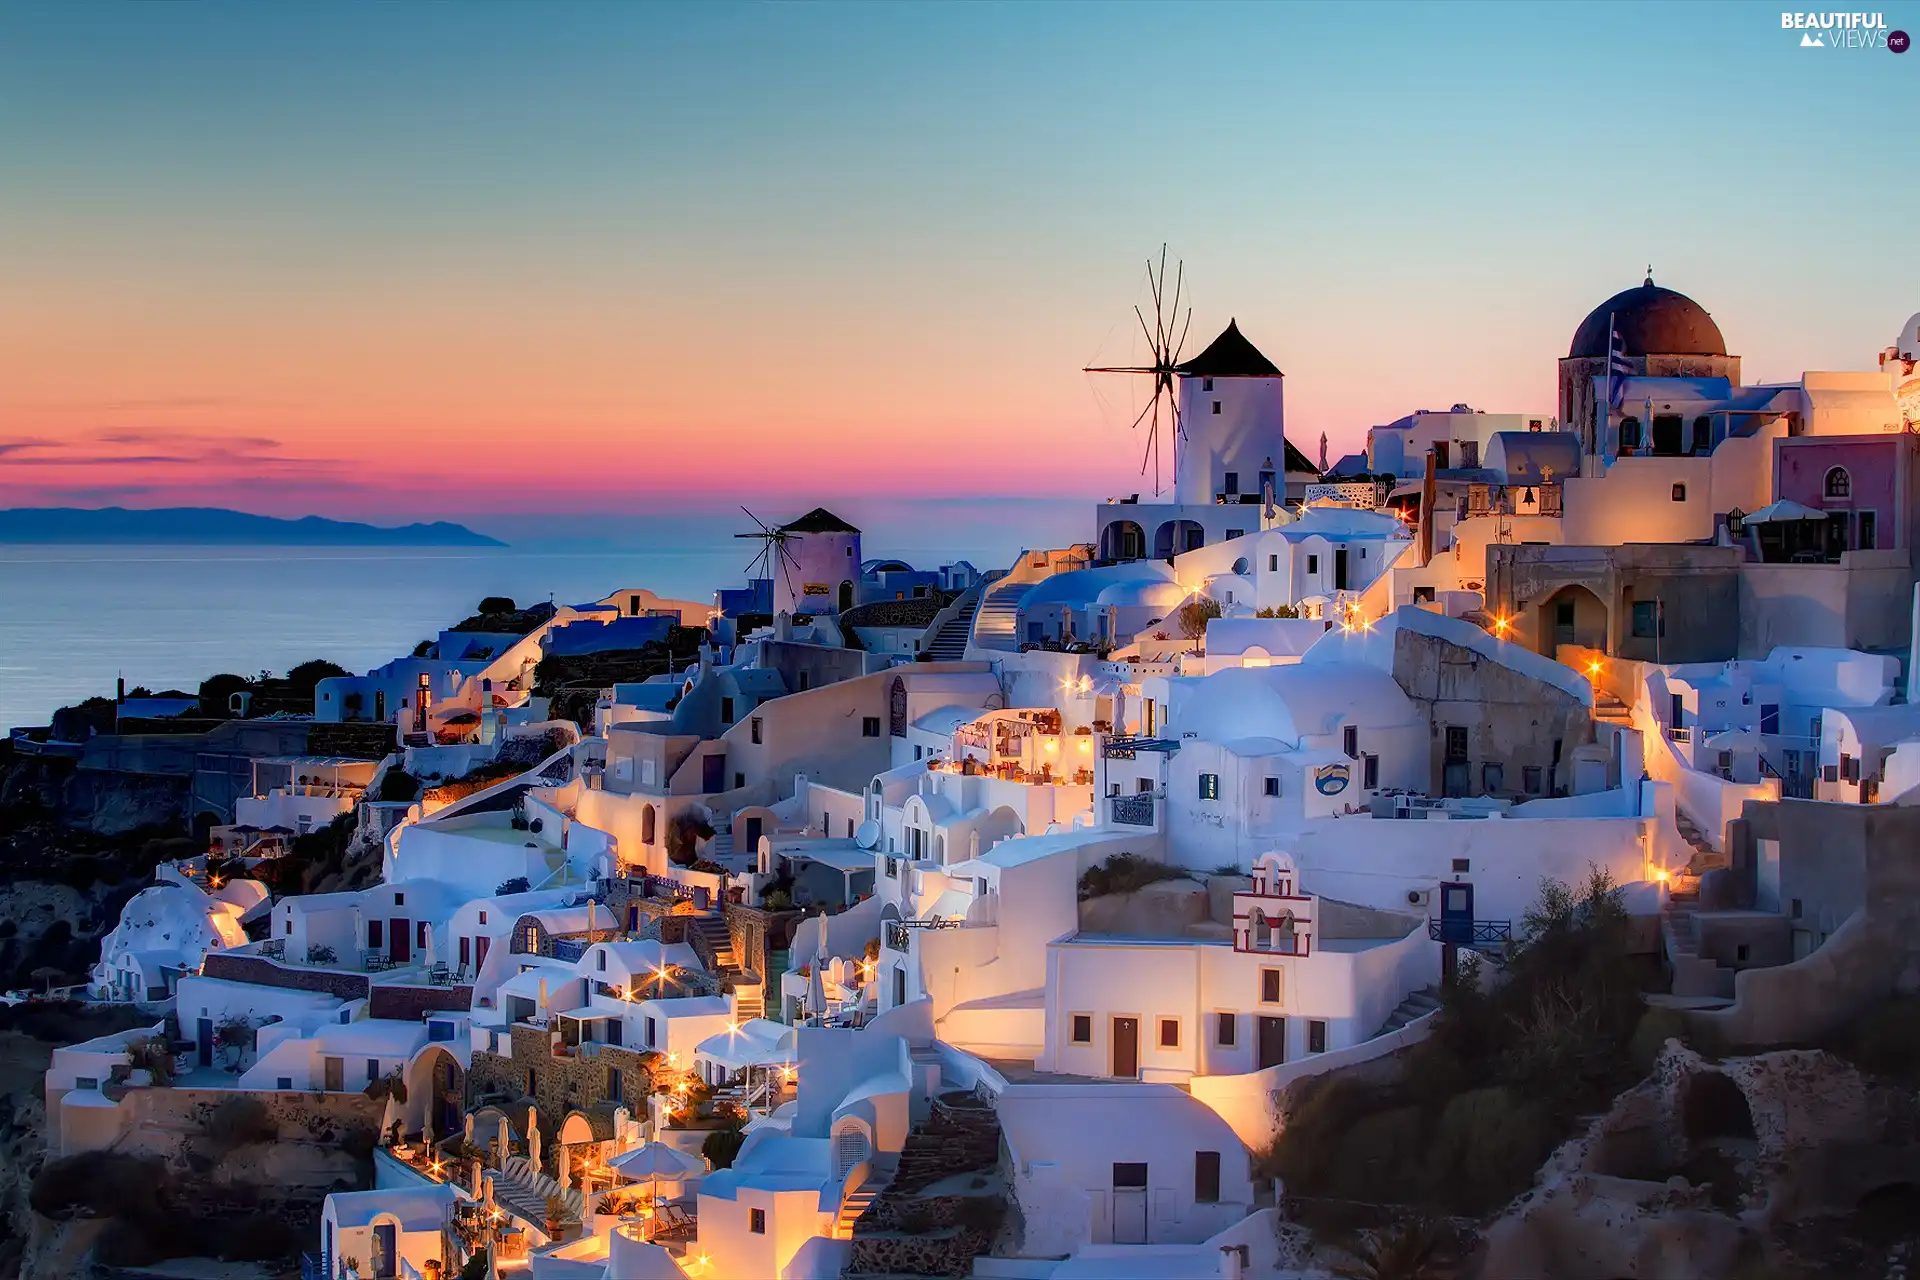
(1152, 340)
(788, 563)
(1092, 368)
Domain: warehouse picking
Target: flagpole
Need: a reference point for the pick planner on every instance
(1605, 420)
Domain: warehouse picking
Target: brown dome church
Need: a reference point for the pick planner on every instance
(1663, 334)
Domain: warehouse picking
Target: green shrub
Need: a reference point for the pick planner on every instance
(722, 1145)
(1124, 873)
(1488, 1145)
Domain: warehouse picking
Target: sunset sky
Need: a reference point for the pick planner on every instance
(425, 261)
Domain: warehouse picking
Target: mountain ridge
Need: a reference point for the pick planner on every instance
(219, 526)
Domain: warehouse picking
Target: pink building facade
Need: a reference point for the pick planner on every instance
(1863, 483)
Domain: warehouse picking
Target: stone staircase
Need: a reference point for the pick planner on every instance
(960, 1136)
(1418, 1004)
(996, 623)
(708, 936)
(1694, 975)
(523, 1190)
(749, 1001)
(1609, 709)
(854, 1204)
(949, 643)
(1704, 855)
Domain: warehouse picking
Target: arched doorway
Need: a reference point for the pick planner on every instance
(436, 1093)
(1123, 540)
(1176, 536)
(846, 595)
(1573, 615)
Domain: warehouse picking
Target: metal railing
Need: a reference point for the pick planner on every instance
(897, 931)
(1471, 933)
(1135, 810)
(569, 948)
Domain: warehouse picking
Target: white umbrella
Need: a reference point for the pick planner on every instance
(1782, 512)
(655, 1161)
(817, 978)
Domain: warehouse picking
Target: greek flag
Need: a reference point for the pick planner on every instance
(1619, 367)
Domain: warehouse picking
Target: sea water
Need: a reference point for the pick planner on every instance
(74, 619)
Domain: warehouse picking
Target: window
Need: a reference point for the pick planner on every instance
(1769, 717)
(1143, 785)
(1273, 564)
(1316, 1036)
(1741, 952)
(420, 935)
(1702, 434)
(374, 935)
(1082, 1032)
(1226, 1028)
(1462, 865)
(1649, 621)
(726, 710)
(653, 1033)
(1206, 384)
(1216, 406)
(1456, 742)
(1530, 779)
(373, 1070)
(1493, 777)
(1839, 483)
(1423, 595)
(1230, 483)
(1313, 564)
(533, 1082)
(1370, 772)
(1866, 531)
(1796, 908)
(739, 780)
(1206, 1177)
(893, 868)
(399, 899)
(870, 726)
(601, 956)
(483, 917)
(283, 1083)
(1129, 1176)
(1269, 986)
(806, 681)
(1169, 1033)
(1679, 493)
(1209, 786)
(1629, 433)
(1350, 741)
(615, 1082)
(753, 730)
(1273, 786)
(93, 1082)
(757, 1221)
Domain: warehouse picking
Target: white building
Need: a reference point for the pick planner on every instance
(166, 931)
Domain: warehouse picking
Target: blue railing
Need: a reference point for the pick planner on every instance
(1135, 810)
(1487, 934)
(569, 948)
(314, 1266)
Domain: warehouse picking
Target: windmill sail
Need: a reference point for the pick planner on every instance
(1166, 341)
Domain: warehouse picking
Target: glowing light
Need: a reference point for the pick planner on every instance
(1053, 745)
(1086, 747)
(1501, 622)
(1593, 668)
(1660, 875)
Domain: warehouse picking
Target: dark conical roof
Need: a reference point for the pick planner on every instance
(819, 520)
(1652, 321)
(1230, 356)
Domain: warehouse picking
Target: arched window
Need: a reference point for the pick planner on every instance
(647, 825)
(1839, 483)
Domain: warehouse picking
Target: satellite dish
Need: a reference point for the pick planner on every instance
(868, 835)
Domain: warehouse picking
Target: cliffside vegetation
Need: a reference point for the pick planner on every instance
(1509, 1069)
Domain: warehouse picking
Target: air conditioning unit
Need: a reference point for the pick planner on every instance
(1419, 898)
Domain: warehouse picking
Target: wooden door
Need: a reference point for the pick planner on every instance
(335, 1075)
(1270, 1043)
(480, 952)
(399, 940)
(1126, 1048)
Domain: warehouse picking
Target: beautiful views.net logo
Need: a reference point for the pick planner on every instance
(1844, 31)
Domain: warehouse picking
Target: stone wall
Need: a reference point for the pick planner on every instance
(262, 972)
(411, 1004)
(561, 1085)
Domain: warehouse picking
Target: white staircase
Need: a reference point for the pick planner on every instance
(524, 1191)
(996, 624)
(1417, 1005)
(949, 642)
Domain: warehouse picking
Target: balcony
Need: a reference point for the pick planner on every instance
(1135, 810)
(1481, 935)
(1679, 733)
(899, 931)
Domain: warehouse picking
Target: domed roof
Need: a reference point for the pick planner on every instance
(1651, 321)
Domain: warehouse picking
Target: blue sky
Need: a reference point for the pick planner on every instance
(834, 235)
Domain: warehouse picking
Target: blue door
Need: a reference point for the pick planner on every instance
(1456, 913)
(385, 1260)
(203, 1038)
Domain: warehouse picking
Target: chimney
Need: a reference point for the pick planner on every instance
(1428, 496)
(1323, 452)
(1233, 1261)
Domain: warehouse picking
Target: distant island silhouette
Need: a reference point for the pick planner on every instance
(216, 526)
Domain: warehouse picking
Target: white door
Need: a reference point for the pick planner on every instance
(1130, 1216)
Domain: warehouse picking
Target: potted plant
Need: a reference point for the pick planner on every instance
(558, 1217)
